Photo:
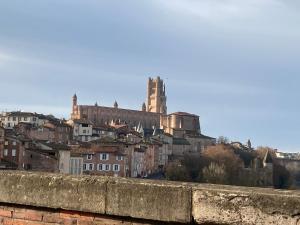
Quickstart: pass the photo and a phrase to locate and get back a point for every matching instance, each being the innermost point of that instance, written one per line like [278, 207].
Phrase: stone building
[105, 158]
[82, 130]
[11, 151]
[52, 130]
[186, 132]
[21, 153]
[45, 157]
[180, 124]
[10, 119]
[148, 116]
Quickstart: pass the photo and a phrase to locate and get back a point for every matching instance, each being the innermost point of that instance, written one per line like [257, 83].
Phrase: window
[5, 152]
[88, 166]
[14, 143]
[14, 118]
[84, 131]
[6, 143]
[103, 167]
[34, 119]
[104, 156]
[13, 153]
[100, 167]
[119, 158]
[116, 167]
[89, 157]
[107, 167]
[91, 166]
[25, 118]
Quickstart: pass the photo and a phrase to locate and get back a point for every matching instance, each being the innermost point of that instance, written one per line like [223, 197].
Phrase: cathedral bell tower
[74, 107]
[156, 96]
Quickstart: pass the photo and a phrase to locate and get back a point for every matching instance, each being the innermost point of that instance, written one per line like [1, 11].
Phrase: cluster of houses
[110, 141]
[36, 142]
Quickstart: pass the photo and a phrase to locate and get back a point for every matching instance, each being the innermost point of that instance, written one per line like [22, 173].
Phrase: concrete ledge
[247, 206]
[155, 200]
[151, 200]
[141, 199]
[87, 194]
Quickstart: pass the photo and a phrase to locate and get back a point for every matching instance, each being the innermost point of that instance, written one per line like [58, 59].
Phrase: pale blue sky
[235, 63]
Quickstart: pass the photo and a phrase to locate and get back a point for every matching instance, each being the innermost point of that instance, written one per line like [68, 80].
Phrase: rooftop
[183, 114]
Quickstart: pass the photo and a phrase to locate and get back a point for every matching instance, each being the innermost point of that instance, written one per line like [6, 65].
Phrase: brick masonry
[22, 215]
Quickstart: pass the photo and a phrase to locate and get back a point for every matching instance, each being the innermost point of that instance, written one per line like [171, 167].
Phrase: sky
[234, 63]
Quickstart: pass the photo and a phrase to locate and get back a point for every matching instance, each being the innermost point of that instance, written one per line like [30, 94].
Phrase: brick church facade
[149, 116]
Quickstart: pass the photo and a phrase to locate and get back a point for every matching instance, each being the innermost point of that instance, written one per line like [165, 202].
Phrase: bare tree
[223, 155]
[215, 173]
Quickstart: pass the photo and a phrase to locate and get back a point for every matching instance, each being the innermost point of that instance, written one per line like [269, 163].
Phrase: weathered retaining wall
[39, 198]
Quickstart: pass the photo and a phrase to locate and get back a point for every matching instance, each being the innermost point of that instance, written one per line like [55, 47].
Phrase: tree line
[225, 164]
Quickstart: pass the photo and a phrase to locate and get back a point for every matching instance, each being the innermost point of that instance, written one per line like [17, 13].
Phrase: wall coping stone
[151, 200]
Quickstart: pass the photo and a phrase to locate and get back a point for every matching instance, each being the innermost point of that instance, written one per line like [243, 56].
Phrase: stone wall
[259, 177]
[293, 166]
[40, 198]
[100, 115]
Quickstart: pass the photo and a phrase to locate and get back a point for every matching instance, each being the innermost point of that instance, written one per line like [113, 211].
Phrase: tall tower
[156, 96]
[74, 107]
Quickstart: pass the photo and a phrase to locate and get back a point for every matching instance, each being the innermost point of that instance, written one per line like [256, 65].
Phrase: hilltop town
[145, 143]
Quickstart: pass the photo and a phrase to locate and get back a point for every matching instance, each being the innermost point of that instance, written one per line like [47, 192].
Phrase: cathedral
[149, 116]
[183, 127]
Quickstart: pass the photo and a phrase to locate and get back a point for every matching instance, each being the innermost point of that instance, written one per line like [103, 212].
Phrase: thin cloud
[275, 18]
[216, 10]
[5, 57]
[222, 88]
